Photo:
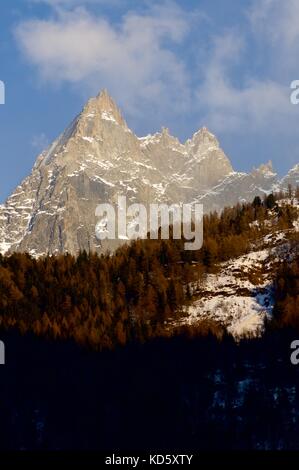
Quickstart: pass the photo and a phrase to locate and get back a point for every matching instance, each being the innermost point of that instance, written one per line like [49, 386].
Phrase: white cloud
[73, 3]
[40, 142]
[130, 58]
[276, 24]
[143, 60]
[276, 19]
[260, 101]
[250, 105]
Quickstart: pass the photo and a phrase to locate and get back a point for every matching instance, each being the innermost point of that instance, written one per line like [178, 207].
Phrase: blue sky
[224, 64]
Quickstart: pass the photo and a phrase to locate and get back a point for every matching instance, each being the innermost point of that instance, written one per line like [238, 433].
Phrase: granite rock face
[291, 178]
[97, 159]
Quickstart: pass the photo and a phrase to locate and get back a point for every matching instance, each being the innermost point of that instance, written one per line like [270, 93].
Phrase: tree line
[102, 301]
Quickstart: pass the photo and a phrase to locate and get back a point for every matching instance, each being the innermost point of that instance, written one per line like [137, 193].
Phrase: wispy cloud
[277, 20]
[160, 66]
[40, 142]
[133, 58]
[248, 104]
[73, 3]
[276, 24]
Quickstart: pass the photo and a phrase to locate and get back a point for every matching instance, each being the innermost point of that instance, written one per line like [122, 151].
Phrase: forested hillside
[155, 384]
[102, 301]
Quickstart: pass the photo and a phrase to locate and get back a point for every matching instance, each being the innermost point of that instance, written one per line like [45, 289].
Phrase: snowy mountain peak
[170, 140]
[294, 170]
[266, 169]
[163, 139]
[104, 107]
[97, 158]
[292, 178]
[165, 131]
[202, 140]
[204, 136]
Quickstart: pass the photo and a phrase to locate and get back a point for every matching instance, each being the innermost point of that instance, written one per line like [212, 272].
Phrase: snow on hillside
[239, 295]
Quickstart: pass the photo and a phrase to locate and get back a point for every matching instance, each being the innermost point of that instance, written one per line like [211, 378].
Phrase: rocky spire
[105, 107]
[266, 168]
[205, 137]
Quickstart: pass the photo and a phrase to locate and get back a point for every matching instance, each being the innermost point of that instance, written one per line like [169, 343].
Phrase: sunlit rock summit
[96, 159]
